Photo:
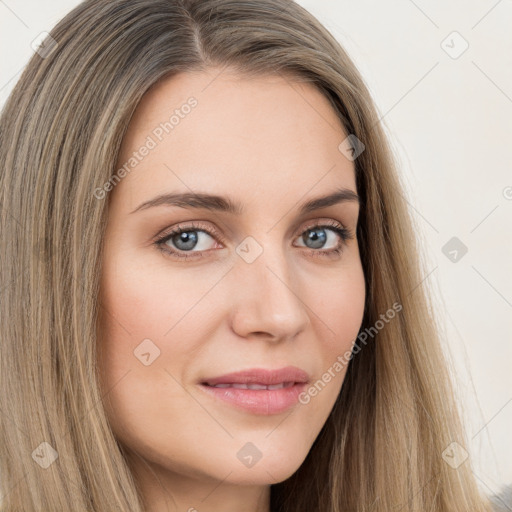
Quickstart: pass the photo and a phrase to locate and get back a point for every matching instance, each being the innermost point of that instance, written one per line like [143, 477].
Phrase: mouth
[258, 391]
[237, 385]
[260, 377]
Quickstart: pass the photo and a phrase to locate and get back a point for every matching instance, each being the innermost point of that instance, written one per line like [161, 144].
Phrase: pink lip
[263, 376]
[259, 401]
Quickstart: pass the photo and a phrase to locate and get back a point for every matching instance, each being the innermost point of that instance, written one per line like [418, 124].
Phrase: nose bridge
[267, 296]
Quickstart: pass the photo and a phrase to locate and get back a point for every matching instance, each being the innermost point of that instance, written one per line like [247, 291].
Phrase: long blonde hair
[382, 446]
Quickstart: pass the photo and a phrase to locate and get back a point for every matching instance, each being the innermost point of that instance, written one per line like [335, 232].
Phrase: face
[192, 290]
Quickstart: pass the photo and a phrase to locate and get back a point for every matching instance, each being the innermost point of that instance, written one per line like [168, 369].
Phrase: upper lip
[263, 376]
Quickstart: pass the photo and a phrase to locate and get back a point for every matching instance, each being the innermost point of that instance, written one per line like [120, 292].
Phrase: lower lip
[259, 401]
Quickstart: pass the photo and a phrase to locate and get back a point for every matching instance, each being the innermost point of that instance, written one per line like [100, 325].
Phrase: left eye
[318, 237]
[187, 238]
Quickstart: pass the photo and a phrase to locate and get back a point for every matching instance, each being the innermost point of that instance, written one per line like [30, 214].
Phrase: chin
[269, 470]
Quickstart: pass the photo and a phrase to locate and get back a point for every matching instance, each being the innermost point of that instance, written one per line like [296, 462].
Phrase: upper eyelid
[199, 226]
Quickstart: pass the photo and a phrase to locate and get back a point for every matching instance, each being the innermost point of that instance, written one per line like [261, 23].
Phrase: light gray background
[450, 123]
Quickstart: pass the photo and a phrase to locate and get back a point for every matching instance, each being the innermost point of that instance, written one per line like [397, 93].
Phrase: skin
[270, 144]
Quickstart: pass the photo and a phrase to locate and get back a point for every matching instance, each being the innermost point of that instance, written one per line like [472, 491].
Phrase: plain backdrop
[441, 76]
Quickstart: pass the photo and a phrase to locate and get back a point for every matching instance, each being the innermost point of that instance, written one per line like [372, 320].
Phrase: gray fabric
[502, 502]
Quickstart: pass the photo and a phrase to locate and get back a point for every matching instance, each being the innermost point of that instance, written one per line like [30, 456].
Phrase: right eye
[185, 238]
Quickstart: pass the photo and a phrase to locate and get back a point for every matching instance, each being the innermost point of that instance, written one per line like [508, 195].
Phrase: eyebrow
[198, 200]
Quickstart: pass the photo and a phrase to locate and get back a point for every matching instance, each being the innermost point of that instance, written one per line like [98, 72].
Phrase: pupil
[188, 238]
[318, 240]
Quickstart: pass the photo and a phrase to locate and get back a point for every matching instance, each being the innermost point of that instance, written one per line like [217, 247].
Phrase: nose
[266, 300]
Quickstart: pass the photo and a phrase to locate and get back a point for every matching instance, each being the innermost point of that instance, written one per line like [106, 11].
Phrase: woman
[211, 296]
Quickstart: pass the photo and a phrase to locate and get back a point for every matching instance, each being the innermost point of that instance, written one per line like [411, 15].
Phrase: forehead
[218, 130]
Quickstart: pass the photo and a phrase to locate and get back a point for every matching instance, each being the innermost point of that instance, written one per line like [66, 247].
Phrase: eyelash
[344, 234]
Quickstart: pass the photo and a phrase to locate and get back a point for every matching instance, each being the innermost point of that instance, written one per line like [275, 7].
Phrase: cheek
[140, 368]
[339, 308]
[148, 336]
[337, 315]
[146, 300]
